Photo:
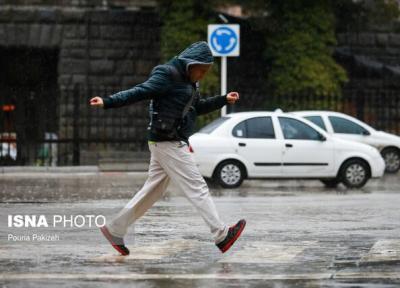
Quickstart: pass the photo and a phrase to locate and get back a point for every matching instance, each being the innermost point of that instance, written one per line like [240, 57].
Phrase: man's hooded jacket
[175, 101]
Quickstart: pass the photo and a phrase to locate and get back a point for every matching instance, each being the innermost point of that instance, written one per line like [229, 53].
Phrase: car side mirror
[321, 137]
[366, 133]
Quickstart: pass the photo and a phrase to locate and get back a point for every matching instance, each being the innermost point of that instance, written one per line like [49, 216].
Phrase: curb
[49, 169]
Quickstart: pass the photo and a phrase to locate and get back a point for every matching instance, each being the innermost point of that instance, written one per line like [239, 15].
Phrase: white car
[249, 145]
[349, 128]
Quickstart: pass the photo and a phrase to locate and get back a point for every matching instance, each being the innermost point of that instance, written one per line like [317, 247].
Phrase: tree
[299, 50]
[185, 22]
[299, 36]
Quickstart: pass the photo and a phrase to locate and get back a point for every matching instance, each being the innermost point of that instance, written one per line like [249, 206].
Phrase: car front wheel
[392, 159]
[229, 174]
[354, 173]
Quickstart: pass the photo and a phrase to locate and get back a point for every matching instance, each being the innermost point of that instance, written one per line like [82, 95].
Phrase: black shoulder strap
[190, 102]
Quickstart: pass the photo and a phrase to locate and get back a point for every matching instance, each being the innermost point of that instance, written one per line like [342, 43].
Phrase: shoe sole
[233, 240]
[108, 236]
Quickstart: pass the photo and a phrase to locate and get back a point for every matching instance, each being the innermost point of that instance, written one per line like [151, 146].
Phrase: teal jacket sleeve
[158, 82]
[204, 106]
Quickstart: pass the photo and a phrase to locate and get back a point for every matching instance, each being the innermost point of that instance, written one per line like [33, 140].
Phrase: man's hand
[232, 97]
[96, 101]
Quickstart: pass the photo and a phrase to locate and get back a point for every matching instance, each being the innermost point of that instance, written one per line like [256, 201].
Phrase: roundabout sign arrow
[224, 40]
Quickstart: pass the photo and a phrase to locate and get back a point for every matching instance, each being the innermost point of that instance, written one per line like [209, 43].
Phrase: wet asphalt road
[298, 235]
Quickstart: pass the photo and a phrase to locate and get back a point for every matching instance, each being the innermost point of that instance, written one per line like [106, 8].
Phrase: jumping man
[175, 102]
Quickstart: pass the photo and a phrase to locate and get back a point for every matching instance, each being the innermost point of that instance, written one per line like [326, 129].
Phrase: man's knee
[200, 191]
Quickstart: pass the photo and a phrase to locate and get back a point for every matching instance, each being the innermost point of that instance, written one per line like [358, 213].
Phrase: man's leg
[154, 187]
[180, 166]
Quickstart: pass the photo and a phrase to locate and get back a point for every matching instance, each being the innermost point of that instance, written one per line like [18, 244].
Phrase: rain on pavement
[299, 234]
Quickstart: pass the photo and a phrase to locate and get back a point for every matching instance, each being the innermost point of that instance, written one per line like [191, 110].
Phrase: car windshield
[364, 124]
[346, 126]
[213, 125]
[317, 120]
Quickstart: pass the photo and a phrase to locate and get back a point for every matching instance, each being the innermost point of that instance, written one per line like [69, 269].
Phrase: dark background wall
[247, 73]
[372, 61]
[381, 45]
[82, 3]
[79, 49]
[101, 51]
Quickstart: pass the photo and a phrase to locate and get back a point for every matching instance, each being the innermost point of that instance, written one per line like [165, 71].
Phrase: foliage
[299, 50]
[185, 22]
[299, 36]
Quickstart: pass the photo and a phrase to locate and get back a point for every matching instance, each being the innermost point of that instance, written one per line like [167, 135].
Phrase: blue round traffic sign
[223, 40]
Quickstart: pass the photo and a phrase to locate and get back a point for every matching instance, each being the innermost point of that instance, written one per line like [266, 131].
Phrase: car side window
[317, 120]
[295, 129]
[257, 127]
[240, 130]
[342, 125]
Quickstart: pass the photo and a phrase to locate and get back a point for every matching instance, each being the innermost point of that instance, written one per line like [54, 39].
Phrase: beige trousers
[170, 160]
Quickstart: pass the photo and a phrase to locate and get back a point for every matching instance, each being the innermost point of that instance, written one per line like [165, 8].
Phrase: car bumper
[378, 168]
[206, 168]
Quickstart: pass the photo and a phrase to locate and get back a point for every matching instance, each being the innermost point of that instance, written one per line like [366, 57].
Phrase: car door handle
[242, 144]
[289, 145]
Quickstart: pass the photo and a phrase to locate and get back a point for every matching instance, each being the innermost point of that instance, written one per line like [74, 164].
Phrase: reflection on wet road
[310, 237]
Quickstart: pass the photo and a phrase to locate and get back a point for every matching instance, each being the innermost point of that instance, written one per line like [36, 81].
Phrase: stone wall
[382, 46]
[374, 65]
[372, 94]
[82, 3]
[102, 51]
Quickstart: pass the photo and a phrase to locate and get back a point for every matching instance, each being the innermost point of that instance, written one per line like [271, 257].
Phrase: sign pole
[224, 41]
[223, 81]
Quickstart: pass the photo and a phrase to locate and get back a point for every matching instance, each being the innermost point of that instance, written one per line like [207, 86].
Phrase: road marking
[156, 251]
[368, 275]
[137, 276]
[383, 251]
[264, 252]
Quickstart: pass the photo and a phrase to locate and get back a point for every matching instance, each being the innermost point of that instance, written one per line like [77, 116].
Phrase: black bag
[167, 126]
[163, 126]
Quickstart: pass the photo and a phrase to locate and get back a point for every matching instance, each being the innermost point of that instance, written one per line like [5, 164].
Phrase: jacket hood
[196, 53]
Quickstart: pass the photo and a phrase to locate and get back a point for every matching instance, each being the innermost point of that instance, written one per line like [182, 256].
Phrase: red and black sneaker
[116, 242]
[233, 234]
